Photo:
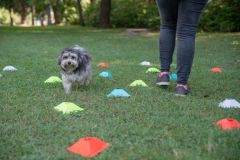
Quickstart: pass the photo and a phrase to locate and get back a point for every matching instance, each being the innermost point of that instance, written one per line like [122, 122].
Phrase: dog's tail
[77, 47]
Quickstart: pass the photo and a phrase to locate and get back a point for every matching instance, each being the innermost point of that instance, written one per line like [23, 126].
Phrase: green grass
[151, 124]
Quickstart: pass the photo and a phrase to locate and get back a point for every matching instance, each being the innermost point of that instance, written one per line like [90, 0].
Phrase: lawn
[151, 124]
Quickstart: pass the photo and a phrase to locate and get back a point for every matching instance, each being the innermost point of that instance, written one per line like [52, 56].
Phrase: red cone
[216, 69]
[103, 64]
[88, 147]
[228, 124]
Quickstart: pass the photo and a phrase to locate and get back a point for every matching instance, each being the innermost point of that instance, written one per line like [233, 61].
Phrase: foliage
[92, 14]
[70, 13]
[221, 15]
[7, 3]
[218, 15]
[126, 13]
[3, 18]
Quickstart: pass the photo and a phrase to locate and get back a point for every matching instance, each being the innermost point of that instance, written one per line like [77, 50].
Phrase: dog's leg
[67, 87]
[87, 82]
[89, 77]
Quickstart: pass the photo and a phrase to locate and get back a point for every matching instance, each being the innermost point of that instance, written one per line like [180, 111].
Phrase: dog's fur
[76, 66]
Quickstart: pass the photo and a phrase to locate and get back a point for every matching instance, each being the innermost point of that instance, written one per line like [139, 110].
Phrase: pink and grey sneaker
[182, 90]
[163, 79]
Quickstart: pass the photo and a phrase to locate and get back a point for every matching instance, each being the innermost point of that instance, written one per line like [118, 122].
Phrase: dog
[75, 66]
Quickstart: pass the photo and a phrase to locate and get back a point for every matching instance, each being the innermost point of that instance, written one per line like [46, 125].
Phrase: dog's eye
[73, 57]
[65, 57]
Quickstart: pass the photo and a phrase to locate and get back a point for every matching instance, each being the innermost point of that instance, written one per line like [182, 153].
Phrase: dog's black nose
[69, 63]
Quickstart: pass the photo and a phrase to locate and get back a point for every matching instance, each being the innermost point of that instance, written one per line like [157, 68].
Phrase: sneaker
[182, 90]
[163, 79]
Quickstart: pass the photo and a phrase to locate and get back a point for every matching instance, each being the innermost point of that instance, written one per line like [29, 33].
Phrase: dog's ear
[85, 59]
[59, 59]
[60, 56]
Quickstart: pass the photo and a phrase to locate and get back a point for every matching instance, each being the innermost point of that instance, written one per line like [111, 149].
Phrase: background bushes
[221, 15]
[218, 15]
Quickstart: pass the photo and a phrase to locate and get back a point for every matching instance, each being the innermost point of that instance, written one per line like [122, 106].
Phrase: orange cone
[103, 64]
[228, 124]
[88, 147]
[216, 69]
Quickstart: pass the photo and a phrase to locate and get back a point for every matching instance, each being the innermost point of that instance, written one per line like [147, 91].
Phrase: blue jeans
[179, 18]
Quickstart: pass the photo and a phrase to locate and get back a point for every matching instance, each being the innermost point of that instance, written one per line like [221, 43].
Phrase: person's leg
[168, 15]
[188, 17]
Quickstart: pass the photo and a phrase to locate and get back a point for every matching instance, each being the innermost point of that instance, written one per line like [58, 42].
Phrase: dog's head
[73, 59]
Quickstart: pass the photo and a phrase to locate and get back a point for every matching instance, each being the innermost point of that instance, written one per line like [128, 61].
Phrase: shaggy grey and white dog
[76, 67]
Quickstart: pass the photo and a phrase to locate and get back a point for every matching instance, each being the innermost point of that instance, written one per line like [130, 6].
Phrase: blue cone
[173, 76]
[118, 92]
[105, 74]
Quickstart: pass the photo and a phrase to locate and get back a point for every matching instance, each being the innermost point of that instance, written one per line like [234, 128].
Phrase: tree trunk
[151, 1]
[10, 16]
[105, 11]
[33, 14]
[80, 11]
[49, 14]
[23, 13]
[23, 17]
[57, 12]
[57, 16]
[42, 17]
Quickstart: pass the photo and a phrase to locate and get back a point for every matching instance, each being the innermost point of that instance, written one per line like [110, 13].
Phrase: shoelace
[163, 73]
[184, 86]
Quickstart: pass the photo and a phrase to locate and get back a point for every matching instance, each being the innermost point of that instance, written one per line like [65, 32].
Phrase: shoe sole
[180, 95]
[163, 83]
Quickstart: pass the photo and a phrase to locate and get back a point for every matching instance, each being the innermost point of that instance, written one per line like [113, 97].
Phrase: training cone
[105, 74]
[9, 68]
[228, 124]
[152, 70]
[216, 70]
[103, 64]
[138, 83]
[68, 107]
[173, 76]
[118, 92]
[53, 79]
[88, 146]
[145, 63]
[229, 103]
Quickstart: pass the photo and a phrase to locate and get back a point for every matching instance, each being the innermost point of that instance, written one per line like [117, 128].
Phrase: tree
[151, 1]
[49, 7]
[39, 10]
[57, 11]
[33, 14]
[105, 12]
[20, 6]
[32, 4]
[80, 11]
[221, 15]
[8, 4]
